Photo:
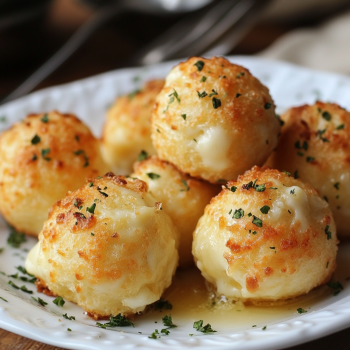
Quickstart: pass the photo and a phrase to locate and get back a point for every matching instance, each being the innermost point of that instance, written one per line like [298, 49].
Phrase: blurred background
[75, 39]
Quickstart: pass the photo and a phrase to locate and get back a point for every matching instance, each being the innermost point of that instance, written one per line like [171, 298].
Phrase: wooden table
[89, 61]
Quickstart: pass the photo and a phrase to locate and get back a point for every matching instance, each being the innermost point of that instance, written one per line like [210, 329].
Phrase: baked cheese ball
[182, 197]
[266, 237]
[41, 158]
[107, 247]
[315, 146]
[127, 130]
[214, 119]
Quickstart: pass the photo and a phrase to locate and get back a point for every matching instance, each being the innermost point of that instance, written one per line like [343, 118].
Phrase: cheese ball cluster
[266, 236]
[107, 247]
[182, 197]
[41, 158]
[127, 130]
[315, 146]
[214, 119]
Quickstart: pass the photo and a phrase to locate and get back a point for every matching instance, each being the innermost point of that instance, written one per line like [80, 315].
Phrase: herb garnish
[240, 75]
[153, 176]
[40, 301]
[336, 286]
[198, 325]
[201, 94]
[199, 65]
[216, 103]
[267, 105]
[45, 118]
[328, 233]
[238, 94]
[59, 301]
[91, 209]
[71, 318]
[232, 188]
[154, 335]
[35, 140]
[310, 159]
[239, 213]
[296, 175]
[213, 93]
[86, 158]
[204, 78]
[327, 116]
[44, 153]
[15, 238]
[336, 185]
[116, 321]
[320, 133]
[286, 172]
[142, 156]
[265, 209]
[183, 116]
[162, 304]
[186, 185]
[341, 126]
[304, 146]
[168, 322]
[257, 222]
[3, 299]
[133, 94]
[301, 310]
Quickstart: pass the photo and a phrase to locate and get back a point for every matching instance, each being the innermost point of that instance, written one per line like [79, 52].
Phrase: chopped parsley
[154, 335]
[91, 209]
[90, 184]
[45, 152]
[92, 234]
[238, 94]
[82, 152]
[301, 310]
[213, 93]
[328, 233]
[203, 79]
[59, 301]
[77, 204]
[260, 188]
[265, 209]
[292, 191]
[1, 250]
[286, 172]
[300, 154]
[199, 65]
[327, 116]
[104, 194]
[267, 105]
[35, 140]
[273, 188]
[168, 322]
[336, 185]
[303, 146]
[336, 286]
[341, 126]
[198, 325]
[162, 304]
[153, 176]
[40, 301]
[45, 118]
[35, 157]
[264, 328]
[201, 94]
[240, 75]
[232, 188]
[216, 103]
[257, 222]
[13, 285]
[116, 321]
[174, 95]
[296, 175]
[15, 238]
[310, 159]
[238, 214]
[320, 133]
[69, 330]
[186, 185]
[280, 120]
[183, 116]
[3, 299]
[71, 318]
[165, 331]
[77, 138]
[142, 156]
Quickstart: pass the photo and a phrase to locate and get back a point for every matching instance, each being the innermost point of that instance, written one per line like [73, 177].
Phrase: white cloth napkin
[326, 47]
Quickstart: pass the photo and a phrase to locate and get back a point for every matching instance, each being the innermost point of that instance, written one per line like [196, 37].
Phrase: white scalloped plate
[89, 98]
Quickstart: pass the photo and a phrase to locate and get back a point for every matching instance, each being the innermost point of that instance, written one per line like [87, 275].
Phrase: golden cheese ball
[182, 197]
[266, 237]
[315, 146]
[41, 158]
[213, 119]
[127, 130]
[107, 247]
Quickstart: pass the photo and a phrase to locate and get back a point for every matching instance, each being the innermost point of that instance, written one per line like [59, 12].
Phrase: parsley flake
[168, 322]
[198, 325]
[71, 318]
[154, 335]
[296, 175]
[3, 299]
[240, 75]
[232, 188]
[59, 301]
[199, 65]
[238, 214]
[162, 304]
[153, 176]
[165, 331]
[142, 156]
[35, 140]
[301, 310]
[45, 152]
[45, 118]
[286, 172]
[133, 94]
[328, 233]
[40, 301]
[327, 116]
[15, 238]
[265, 209]
[216, 103]
[201, 94]
[91, 209]
[186, 185]
[257, 222]
[69, 330]
[267, 105]
[336, 185]
[341, 126]
[183, 116]
[238, 94]
[310, 159]
[116, 321]
[203, 79]
[213, 93]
